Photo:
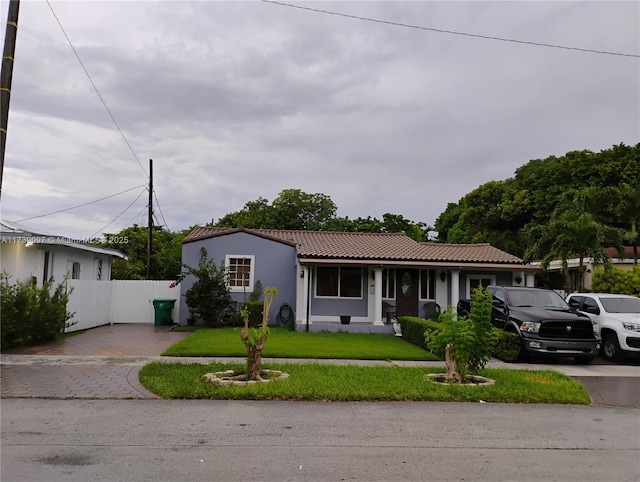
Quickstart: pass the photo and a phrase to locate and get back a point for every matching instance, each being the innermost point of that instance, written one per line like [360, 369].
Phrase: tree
[255, 338]
[629, 212]
[298, 210]
[573, 235]
[209, 295]
[166, 259]
[256, 214]
[466, 342]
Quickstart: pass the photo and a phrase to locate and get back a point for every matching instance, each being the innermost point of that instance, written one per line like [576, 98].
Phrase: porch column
[377, 297]
[305, 293]
[455, 287]
[530, 280]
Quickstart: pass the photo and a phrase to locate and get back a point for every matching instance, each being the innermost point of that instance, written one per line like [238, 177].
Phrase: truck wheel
[584, 360]
[610, 347]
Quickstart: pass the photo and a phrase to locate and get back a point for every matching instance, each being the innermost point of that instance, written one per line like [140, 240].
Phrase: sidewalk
[104, 364]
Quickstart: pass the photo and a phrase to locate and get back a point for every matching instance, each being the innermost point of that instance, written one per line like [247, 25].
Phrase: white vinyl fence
[97, 303]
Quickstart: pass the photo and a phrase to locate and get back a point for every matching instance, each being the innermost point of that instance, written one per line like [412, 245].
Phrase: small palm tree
[572, 235]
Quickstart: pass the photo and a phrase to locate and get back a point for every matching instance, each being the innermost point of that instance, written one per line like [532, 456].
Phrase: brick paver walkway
[97, 364]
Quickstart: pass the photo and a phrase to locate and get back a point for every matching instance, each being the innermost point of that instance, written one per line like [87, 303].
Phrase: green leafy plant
[466, 343]
[32, 315]
[209, 295]
[255, 338]
[617, 281]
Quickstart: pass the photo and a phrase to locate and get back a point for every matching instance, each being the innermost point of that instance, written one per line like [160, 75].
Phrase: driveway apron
[102, 363]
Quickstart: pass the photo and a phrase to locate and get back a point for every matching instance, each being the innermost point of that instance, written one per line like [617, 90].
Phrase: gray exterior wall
[342, 306]
[275, 265]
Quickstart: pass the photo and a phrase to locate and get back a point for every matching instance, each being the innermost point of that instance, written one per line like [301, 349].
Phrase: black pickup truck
[546, 324]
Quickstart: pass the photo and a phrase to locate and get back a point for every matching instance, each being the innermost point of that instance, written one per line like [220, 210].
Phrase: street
[213, 440]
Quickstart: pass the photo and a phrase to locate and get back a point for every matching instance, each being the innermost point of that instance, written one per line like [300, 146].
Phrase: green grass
[319, 382]
[290, 344]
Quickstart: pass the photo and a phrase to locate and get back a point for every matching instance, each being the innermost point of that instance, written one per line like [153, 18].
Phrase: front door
[406, 292]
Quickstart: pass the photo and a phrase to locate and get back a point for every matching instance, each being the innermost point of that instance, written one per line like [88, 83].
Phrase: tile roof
[368, 246]
[469, 253]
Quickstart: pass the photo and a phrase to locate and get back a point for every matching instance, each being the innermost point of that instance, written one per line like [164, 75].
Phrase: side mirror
[592, 310]
[498, 303]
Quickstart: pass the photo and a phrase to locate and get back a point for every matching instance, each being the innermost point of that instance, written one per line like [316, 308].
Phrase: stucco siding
[275, 264]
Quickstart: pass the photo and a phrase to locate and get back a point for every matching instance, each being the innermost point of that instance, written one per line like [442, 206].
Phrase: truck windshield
[542, 299]
[621, 305]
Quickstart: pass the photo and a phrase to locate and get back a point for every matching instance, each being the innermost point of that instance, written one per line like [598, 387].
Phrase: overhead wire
[160, 209]
[451, 32]
[116, 218]
[81, 205]
[96, 88]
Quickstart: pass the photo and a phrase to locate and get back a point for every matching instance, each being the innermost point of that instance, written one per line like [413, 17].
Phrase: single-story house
[556, 278]
[324, 276]
[33, 257]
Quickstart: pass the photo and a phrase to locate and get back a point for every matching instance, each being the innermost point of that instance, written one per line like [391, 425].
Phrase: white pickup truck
[618, 319]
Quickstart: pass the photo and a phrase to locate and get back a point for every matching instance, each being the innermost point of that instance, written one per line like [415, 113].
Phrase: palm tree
[629, 212]
[572, 235]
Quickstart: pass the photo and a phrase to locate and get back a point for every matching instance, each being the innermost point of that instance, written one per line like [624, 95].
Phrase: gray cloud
[240, 100]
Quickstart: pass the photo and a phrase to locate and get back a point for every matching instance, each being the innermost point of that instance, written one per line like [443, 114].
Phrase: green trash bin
[163, 308]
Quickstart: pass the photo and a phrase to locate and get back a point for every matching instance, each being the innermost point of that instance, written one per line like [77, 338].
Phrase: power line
[96, 89]
[452, 32]
[160, 209]
[80, 205]
[116, 218]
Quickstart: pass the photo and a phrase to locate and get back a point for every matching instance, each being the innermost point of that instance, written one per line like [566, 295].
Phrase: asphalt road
[178, 440]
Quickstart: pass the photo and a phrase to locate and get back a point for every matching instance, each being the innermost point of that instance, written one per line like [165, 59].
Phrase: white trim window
[338, 282]
[475, 280]
[427, 284]
[240, 272]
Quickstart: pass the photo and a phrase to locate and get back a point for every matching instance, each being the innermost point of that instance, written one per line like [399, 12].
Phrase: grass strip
[319, 382]
[290, 344]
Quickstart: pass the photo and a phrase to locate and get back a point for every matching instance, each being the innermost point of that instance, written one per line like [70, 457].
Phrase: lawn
[320, 382]
[283, 343]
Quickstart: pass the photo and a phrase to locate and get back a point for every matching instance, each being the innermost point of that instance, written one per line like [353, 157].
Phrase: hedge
[413, 330]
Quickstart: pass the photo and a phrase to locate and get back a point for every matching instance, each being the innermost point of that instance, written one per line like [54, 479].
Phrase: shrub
[32, 315]
[209, 295]
[414, 328]
[508, 346]
[255, 309]
[617, 281]
[470, 339]
[415, 331]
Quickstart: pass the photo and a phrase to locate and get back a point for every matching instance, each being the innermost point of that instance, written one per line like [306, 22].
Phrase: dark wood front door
[406, 292]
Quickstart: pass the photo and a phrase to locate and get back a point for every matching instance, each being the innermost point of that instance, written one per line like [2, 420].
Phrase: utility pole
[150, 222]
[6, 76]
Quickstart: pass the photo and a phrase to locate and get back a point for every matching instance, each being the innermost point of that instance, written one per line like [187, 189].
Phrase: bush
[617, 281]
[470, 340]
[32, 315]
[255, 309]
[508, 347]
[414, 328]
[209, 295]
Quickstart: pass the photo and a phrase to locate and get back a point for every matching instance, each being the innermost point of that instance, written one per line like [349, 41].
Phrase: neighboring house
[32, 257]
[556, 278]
[326, 275]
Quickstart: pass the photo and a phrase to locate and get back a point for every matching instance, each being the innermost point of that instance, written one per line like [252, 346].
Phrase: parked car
[546, 324]
[618, 318]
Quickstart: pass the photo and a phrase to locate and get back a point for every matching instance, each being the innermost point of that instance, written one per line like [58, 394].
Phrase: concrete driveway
[104, 362]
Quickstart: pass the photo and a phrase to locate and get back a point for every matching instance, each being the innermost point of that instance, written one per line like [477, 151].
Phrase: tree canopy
[604, 184]
[297, 210]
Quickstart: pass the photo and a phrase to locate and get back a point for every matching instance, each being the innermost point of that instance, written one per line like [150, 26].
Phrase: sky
[236, 101]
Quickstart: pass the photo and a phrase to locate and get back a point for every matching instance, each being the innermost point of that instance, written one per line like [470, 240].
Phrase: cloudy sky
[239, 100]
